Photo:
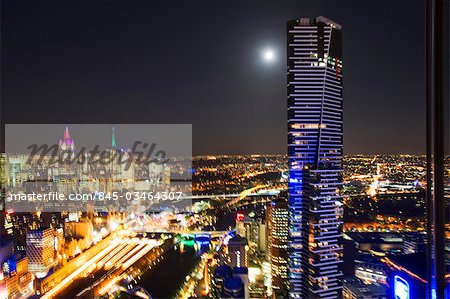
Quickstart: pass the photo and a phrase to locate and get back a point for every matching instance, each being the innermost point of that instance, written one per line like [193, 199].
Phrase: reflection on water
[164, 279]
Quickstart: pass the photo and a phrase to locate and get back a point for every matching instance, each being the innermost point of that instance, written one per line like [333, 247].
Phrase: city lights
[229, 167]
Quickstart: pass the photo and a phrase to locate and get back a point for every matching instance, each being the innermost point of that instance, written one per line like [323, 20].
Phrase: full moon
[268, 55]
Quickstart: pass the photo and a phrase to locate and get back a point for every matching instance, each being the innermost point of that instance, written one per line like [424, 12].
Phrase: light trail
[244, 194]
[131, 253]
[77, 272]
[400, 268]
[140, 254]
[102, 262]
[150, 244]
[118, 256]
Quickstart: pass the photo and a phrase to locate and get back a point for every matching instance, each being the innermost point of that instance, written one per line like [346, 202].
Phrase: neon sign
[239, 216]
[401, 288]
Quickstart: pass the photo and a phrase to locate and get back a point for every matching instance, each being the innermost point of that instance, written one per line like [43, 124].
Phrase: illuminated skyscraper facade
[238, 252]
[67, 144]
[315, 142]
[40, 251]
[277, 242]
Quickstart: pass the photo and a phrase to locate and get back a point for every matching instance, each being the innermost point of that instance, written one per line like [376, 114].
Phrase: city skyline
[83, 69]
[257, 149]
[384, 203]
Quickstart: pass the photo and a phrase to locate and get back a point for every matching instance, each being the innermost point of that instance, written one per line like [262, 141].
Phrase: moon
[268, 55]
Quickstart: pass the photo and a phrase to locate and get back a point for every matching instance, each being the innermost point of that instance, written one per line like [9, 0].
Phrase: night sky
[199, 62]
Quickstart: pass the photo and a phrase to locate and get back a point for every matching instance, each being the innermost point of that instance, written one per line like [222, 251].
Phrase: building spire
[66, 133]
[67, 143]
[113, 138]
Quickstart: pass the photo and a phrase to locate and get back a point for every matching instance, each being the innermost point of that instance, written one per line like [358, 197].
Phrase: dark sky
[198, 62]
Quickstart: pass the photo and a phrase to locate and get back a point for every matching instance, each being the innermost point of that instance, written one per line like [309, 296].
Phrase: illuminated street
[104, 270]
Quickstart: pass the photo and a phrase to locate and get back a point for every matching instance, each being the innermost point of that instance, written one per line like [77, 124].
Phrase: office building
[315, 145]
[354, 288]
[220, 274]
[230, 283]
[79, 229]
[238, 252]
[233, 288]
[242, 274]
[414, 243]
[350, 254]
[253, 230]
[40, 251]
[277, 216]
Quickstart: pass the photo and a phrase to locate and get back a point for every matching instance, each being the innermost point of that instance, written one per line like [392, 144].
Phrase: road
[98, 275]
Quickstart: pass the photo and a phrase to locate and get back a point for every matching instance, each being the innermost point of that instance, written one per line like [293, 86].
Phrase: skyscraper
[40, 251]
[238, 252]
[315, 115]
[277, 242]
[67, 144]
[253, 230]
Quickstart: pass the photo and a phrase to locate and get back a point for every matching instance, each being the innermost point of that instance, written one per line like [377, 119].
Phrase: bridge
[190, 233]
[238, 196]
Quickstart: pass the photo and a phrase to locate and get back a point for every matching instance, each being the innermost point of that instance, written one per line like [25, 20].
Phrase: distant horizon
[280, 154]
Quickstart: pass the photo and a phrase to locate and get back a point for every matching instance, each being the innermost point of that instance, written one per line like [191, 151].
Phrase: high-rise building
[230, 283]
[414, 243]
[315, 116]
[277, 216]
[349, 258]
[253, 230]
[40, 251]
[355, 288]
[67, 144]
[238, 252]
[221, 273]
